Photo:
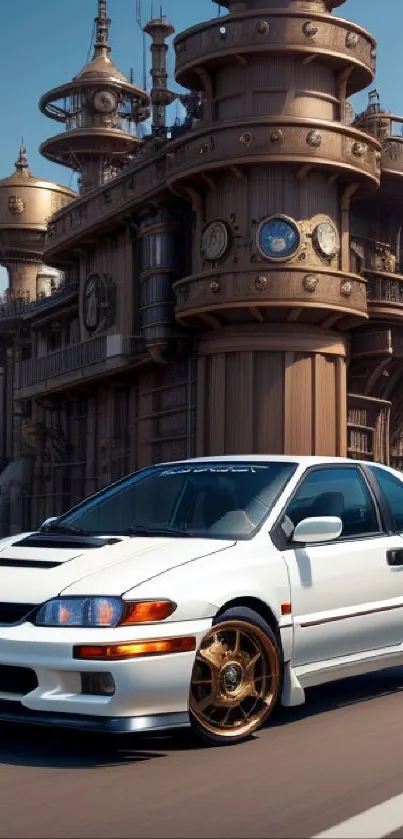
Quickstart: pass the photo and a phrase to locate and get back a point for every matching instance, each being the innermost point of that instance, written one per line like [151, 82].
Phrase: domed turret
[101, 109]
[26, 204]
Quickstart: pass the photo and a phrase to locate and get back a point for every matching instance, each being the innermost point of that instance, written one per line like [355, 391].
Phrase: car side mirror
[318, 529]
[47, 522]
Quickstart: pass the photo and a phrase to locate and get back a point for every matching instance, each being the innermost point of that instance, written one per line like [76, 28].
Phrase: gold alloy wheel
[235, 680]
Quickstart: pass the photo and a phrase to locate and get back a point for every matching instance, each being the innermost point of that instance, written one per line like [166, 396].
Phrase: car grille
[17, 679]
[14, 612]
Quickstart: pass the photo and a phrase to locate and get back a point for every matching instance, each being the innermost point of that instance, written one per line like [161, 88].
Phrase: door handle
[395, 557]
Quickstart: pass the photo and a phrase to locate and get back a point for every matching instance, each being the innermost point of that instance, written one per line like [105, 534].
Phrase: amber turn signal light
[134, 649]
[147, 611]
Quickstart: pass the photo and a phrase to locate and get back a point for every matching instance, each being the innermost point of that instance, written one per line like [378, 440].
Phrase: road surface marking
[375, 823]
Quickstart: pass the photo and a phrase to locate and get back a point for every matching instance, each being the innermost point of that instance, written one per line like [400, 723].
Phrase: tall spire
[21, 164]
[102, 23]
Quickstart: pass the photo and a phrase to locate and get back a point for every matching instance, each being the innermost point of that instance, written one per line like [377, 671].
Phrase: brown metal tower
[271, 170]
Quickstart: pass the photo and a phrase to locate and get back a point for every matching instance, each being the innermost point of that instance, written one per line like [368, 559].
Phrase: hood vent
[27, 563]
[64, 540]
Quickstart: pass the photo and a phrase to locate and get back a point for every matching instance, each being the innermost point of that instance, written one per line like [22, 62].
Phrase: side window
[338, 491]
[392, 489]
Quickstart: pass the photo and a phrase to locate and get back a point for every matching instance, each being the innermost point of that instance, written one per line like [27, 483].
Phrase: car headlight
[101, 612]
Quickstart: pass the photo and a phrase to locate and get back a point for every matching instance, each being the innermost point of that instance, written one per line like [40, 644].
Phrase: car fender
[202, 587]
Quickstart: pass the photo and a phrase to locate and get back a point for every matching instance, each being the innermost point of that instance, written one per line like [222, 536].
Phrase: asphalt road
[314, 768]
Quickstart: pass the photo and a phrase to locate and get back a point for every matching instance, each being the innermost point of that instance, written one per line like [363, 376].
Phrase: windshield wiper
[63, 528]
[139, 530]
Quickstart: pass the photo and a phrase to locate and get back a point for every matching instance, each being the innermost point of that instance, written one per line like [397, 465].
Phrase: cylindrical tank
[26, 205]
[160, 264]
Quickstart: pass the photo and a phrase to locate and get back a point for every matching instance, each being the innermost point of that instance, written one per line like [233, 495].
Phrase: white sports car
[203, 592]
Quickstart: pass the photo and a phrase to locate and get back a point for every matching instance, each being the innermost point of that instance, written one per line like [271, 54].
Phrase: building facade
[232, 284]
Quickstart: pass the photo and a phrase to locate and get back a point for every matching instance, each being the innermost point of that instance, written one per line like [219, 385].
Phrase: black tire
[252, 628]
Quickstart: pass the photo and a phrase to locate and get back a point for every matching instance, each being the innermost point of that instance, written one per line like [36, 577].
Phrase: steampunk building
[26, 205]
[231, 283]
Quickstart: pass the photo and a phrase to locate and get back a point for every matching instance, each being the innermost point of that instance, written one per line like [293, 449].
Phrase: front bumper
[17, 713]
[151, 692]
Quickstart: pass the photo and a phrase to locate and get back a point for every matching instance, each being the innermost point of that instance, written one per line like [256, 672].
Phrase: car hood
[34, 574]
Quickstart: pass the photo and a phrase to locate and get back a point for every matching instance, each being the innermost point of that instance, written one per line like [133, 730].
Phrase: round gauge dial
[326, 239]
[105, 101]
[214, 241]
[278, 238]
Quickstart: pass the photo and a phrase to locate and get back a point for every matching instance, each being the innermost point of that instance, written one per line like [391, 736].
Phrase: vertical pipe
[345, 226]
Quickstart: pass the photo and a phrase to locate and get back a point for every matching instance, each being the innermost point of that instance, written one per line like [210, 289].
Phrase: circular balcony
[333, 41]
[387, 127]
[89, 141]
[269, 292]
[286, 140]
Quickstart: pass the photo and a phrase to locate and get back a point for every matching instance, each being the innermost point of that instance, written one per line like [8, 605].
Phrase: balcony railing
[19, 307]
[392, 154]
[385, 289]
[37, 370]
[82, 356]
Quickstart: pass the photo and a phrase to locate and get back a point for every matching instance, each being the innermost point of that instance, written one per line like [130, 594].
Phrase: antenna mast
[139, 19]
[102, 24]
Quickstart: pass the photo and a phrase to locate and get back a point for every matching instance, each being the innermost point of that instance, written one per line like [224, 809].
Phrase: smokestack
[159, 30]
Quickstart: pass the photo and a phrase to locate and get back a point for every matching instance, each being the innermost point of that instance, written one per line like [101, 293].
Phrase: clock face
[326, 239]
[214, 241]
[105, 102]
[278, 238]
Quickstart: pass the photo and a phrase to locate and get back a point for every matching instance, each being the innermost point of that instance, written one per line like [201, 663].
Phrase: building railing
[19, 307]
[392, 154]
[385, 289]
[63, 361]
[81, 356]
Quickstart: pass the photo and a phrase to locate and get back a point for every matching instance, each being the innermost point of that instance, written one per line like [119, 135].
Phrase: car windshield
[219, 500]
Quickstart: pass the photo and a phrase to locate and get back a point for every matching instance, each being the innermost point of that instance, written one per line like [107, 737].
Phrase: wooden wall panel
[298, 404]
[133, 428]
[239, 403]
[144, 421]
[215, 404]
[325, 408]
[91, 460]
[201, 415]
[241, 89]
[114, 256]
[269, 403]
[165, 414]
[278, 401]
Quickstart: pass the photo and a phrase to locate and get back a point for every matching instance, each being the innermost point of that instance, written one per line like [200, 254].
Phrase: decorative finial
[21, 164]
[102, 23]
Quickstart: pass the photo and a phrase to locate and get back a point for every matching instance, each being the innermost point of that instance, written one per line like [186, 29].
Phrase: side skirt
[296, 679]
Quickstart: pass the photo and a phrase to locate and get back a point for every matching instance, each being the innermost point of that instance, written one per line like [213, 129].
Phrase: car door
[345, 597]
[390, 484]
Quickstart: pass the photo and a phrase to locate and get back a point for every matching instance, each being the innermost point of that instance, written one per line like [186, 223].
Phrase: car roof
[303, 460]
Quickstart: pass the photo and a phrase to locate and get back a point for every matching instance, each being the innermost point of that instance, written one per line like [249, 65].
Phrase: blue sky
[44, 43]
